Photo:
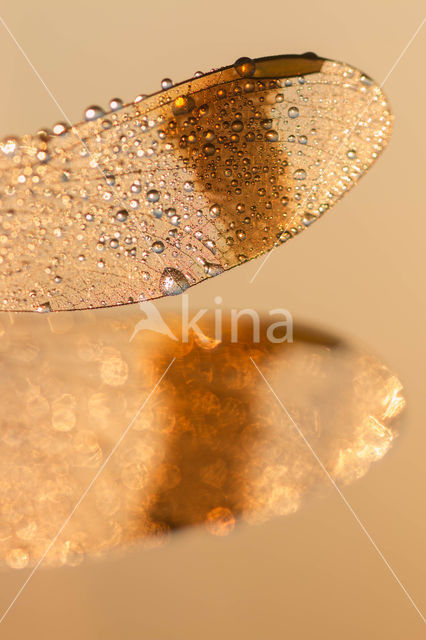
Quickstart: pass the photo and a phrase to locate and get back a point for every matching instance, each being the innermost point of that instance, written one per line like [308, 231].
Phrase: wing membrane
[158, 195]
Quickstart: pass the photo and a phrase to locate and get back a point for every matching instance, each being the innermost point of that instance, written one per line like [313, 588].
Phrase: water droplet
[175, 220]
[284, 236]
[44, 134]
[212, 269]
[237, 126]
[157, 246]
[351, 154]
[121, 216]
[211, 246]
[299, 174]
[60, 128]
[209, 135]
[245, 67]
[172, 282]
[166, 83]
[183, 104]
[209, 149]
[271, 136]
[152, 195]
[9, 146]
[92, 113]
[308, 218]
[115, 104]
[44, 307]
[293, 112]
[43, 156]
[215, 211]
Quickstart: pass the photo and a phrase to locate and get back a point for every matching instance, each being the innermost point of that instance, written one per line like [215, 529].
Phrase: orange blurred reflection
[211, 446]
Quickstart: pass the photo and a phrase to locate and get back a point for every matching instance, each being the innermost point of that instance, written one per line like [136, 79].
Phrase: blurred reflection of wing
[159, 194]
[210, 446]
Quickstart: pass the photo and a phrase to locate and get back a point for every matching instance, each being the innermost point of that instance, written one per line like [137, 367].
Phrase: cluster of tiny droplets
[208, 457]
[149, 198]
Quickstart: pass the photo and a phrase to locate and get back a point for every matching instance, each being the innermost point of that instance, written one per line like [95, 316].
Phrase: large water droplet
[283, 236]
[215, 211]
[157, 246]
[44, 307]
[121, 216]
[213, 269]
[293, 112]
[9, 146]
[271, 136]
[60, 128]
[115, 104]
[183, 104]
[152, 195]
[172, 282]
[166, 83]
[237, 126]
[308, 218]
[92, 113]
[299, 174]
[245, 67]
[366, 80]
[209, 149]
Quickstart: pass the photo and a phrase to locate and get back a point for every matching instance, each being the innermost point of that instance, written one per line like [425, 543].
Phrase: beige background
[359, 272]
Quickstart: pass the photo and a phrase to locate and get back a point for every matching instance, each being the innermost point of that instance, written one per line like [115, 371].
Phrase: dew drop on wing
[173, 282]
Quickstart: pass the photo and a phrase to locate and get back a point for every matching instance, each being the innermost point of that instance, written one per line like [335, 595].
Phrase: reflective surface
[211, 447]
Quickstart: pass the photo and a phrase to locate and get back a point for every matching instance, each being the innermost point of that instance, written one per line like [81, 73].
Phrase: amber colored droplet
[245, 67]
[182, 105]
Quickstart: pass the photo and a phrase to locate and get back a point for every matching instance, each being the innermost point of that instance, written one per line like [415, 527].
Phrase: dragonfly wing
[164, 192]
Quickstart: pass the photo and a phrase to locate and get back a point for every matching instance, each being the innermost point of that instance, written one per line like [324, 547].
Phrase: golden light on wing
[210, 448]
[157, 195]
